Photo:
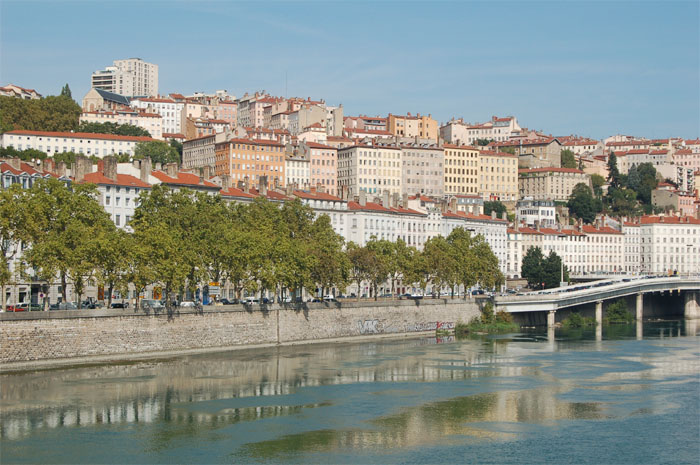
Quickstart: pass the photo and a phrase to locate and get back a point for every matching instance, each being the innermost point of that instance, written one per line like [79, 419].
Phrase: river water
[632, 397]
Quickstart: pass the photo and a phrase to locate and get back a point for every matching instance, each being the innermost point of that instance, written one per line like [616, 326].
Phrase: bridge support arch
[691, 309]
[551, 318]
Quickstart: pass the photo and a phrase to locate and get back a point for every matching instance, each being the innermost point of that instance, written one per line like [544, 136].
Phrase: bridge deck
[555, 299]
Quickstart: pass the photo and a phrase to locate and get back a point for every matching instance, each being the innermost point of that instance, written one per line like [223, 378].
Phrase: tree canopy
[158, 151]
[582, 204]
[113, 128]
[52, 113]
[542, 272]
[568, 159]
[495, 205]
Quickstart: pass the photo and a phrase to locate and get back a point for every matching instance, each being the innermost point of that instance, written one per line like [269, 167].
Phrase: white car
[187, 303]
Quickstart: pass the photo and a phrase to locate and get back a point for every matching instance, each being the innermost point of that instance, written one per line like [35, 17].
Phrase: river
[632, 397]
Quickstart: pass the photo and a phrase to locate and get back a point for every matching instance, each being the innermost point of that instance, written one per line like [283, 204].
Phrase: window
[107, 200]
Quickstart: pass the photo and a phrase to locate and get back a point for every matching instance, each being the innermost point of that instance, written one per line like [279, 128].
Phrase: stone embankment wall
[27, 339]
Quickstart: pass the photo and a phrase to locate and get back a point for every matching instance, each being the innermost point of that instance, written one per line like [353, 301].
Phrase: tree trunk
[109, 297]
[63, 286]
[2, 298]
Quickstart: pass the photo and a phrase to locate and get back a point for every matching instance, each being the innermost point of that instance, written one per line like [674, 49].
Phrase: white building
[456, 131]
[99, 145]
[130, 77]
[670, 244]
[170, 110]
[534, 212]
[297, 170]
[151, 122]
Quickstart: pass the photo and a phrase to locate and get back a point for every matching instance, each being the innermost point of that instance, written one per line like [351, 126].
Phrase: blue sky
[588, 68]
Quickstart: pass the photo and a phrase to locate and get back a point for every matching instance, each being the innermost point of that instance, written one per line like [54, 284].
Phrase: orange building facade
[239, 158]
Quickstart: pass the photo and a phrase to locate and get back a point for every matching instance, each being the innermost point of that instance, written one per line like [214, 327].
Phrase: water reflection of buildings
[176, 391]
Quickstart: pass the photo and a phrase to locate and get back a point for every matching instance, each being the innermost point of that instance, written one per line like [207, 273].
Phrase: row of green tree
[181, 239]
[627, 195]
[543, 272]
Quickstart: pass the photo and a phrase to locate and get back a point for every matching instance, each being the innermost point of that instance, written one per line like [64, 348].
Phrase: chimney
[320, 188]
[493, 214]
[159, 167]
[171, 169]
[109, 167]
[246, 185]
[363, 198]
[50, 165]
[289, 189]
[404, 200]
[80, 168]
[453, 204]
[15, 163]
[145, 169]
[262, 185]
[206, 172]
[504, 216]
[537, 225]
[61, 169]
[395, 200]
[385, 199]
[136, 164]
[312, 189]
[344, 192]
[225, 181]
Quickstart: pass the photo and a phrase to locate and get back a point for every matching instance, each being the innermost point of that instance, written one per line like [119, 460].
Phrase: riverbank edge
[67, 363]
[44, 340]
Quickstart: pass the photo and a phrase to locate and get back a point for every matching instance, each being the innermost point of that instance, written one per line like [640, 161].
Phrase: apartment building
[669, 244]
[200, 152]
[458, 132]
[169, 109]
[423, 127]
[130, 77]
[372, 168]
[536, 212]
[422, 169]
[498, 176]
[251, 159]
[541, 152]
[550, 183]
[323, 166]
[99, 145]
[461, 169]
[12, 90]
[151, 122]
[297, 169]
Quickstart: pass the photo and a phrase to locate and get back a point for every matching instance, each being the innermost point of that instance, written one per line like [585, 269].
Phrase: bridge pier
[599, 312]
[551, 318]
[691, 309]
[640, 307]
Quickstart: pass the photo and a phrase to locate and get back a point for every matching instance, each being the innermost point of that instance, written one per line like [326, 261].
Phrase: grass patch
[488, 322]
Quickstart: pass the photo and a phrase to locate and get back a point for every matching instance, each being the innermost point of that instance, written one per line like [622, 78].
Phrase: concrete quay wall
[38, 339]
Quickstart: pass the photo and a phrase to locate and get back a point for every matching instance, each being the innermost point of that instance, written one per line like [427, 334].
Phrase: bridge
[596, 292]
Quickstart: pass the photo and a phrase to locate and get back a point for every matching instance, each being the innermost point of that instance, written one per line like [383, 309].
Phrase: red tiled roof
[514, 143]
[463, 147]
[668, 220]
[684, 152]
[315, 145]
[24, 168]
[371, 206]
[155, 100]
[588, 229]
[316, 196]
[82, 135]
[183, 179]
[173, 135]
[492, 153]
[122, 180]
[470, 216]
[552, 169]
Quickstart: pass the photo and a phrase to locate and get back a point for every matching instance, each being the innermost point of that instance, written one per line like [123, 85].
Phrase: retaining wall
[84, 335]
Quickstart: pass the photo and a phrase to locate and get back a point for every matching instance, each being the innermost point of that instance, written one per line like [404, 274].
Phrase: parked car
[187, 304]
[329, 298]
[26, 306]
[15, 308]
[251, 300]
[151, 304]
[64, 306]
[416, 296]
[120, 305]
